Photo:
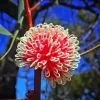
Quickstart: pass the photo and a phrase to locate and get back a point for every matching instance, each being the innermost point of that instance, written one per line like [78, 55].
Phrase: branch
[92, 26]
[37, 73]
[91, 43]
[85, 2]
[45, 15]
[50, 4]
[66, 5]
[28, 13]
[77, 7]
[35, 6]
[12, 10]
[29, 10]
[90, 50]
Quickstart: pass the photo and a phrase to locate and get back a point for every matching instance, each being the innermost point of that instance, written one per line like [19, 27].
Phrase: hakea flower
[50, 48]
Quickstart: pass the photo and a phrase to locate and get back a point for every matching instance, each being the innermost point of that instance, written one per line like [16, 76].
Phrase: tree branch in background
[91, 5]
[91, 28]
[12, 10]
[77, 7]
[67, 5]
[50, 4]
[45, 15]
[91, 43]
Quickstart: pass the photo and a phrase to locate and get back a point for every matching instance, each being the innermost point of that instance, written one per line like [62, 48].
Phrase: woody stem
[28, 13]
[37, 74]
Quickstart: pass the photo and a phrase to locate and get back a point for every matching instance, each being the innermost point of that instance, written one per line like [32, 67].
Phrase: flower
[50, 48]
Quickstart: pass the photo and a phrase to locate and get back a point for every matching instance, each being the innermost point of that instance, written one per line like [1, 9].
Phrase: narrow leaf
[4, 31]
[20, 8]
[14, 37]
[21, 20]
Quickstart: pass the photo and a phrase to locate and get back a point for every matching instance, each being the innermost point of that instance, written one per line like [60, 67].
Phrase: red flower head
[51, 49]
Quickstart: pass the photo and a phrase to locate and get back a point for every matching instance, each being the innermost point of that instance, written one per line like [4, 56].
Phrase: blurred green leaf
[20, 8]
[21, 20]
[14, 37]
[4, 31]
[86, 16]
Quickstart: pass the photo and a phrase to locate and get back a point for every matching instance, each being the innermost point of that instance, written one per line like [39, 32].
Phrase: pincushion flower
[50, 48]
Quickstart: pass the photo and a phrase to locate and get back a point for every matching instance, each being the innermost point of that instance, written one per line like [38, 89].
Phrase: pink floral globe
[50, 48]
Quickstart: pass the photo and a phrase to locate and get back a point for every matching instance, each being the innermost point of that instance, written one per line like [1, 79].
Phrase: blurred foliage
[84, 85]
[4, 31]
[86, 16]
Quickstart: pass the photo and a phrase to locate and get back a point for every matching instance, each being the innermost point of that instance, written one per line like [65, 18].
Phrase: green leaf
[14, 37]
[20, 8]
[4, 31]
[21, 20]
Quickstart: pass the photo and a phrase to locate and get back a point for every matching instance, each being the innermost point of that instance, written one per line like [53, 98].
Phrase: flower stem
[91, 50]
[37, 84]
[37, 73]
[17, 38]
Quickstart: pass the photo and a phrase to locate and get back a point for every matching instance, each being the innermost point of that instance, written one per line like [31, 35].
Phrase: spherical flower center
[51, 49]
